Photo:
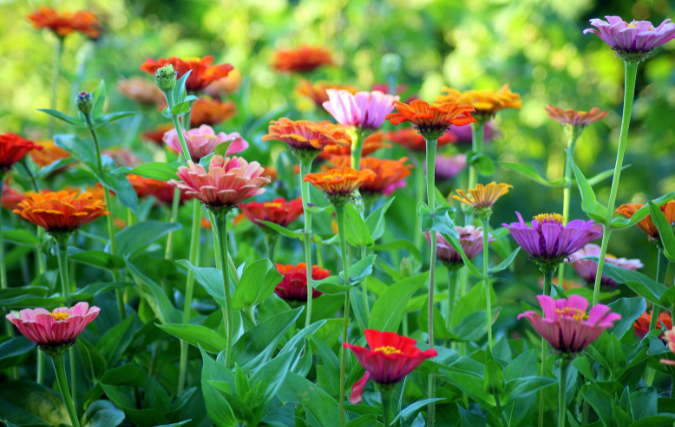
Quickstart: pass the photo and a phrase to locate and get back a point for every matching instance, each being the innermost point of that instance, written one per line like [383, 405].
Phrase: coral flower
[432, 120]
[202, 141]
[305, 137]
[631, 40]
[339, 184]
[47, 152]
[448, 167]
[278, 211]
[229, 181]
[317, 91]
[62, 211]
[670, 340]
[203, 73]
[164, 194]
[12, 149]
[144, 187]
[65, 23]
[207, 111]
[486, 102]
[587, 269]
[301, 60]
[464, 134]
[363, 110]
[387, 173]
[412, 140]
[59, 328]
[574, 117]
[141, 90]
[641, 325]
[371, 144]
[567, 326]
[471, 240]
[10, 198]
[548, 240]
[388, 360]
[646, 224]
[157, 135]
[483, 196]
[225, 86]
[293, 286]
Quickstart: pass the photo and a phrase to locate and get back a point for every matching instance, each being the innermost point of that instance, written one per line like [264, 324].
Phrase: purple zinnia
[548, 241]
[587, 269]
[637, 38]
[447, 166]
[471, 240]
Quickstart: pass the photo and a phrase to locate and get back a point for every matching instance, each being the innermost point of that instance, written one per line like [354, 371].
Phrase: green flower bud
[165, 78]
[494, 378]
[85, 102]
[391, 64]
[406, 267]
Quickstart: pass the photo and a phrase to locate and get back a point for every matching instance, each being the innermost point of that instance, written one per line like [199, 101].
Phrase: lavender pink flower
[471, 240]
[447, 167]
[587, 268]
[636, 37]
[365, 110]
[203, 141]
[567, 326]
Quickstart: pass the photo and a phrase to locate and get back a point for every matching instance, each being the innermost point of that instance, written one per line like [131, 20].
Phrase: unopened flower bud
[494, 378]
[165, 78]
[391, 64]
[85, 102]
[406, 267]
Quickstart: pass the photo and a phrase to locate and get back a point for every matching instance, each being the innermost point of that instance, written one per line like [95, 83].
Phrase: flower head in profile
[143, 91]
[587, 268]
[567, 325]
[144, 187]
[47, 152]
[371, 144]
[203, 73]
[12, 149]
[221, 88]
[486, 102]
[293, 286]
[576, 118]
[156, 135]
[483, 197]
[10, 198]
[448, 166]
[207, 111]
[389, 358]
[413, 141]
[471, 240]
[317, 91]
[632, 41]
[388, 174]
[229, 181]
[305, 138]
[203, 140]
[641, 325]
[54, 332]
[301, 60]
[278, 211]
[66, 23]
[432, 120]
[548, 241]
[339, 184]
[363, 110]
[646, 224]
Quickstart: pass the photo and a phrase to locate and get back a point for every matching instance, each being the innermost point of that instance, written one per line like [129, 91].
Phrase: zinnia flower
[47, 152]
[203, 73]
[471, 240]
[390, 358]
[339, 184]
[62, 211]
[317, 91]
[229, 181]
[12, 149]
[574, 117]
[164, 194]
[448, 167]
[141, 90]
[364, 110]
[432, 120]
[144, 187]
[587, 268]
[306, 138]
[202, 141]
[636, 39]
[157, 135]
[412, 140]
[372, 143]
[567, 326]
[97, 191]
[207, 111]
[65, 23]
[388, 173]
[10, 198]
[486, 102]
[670, 340]
[278, 211]
[483, 196]
[641, 325]
[293, 286]
[301, 60]
[225, 86]
[548, 240]
[646, 224]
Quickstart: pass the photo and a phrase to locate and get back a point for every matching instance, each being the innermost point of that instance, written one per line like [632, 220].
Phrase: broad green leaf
[102, 413]
[78, 148]
[660, 420]
[98, 259]
[483, 164]
[638, 282]
[217, 407]
[197, 335]
[318, 403]
[665, 231]
[532, 173]
[119, 184]
[600, 401]
[99, 100]
[589, 204]
[135, 237]
[179, 91]
[630, 310]
[155, 170]
[93, 362]
[31, 301]
[93, 289]
[622, 222]
[390, 307]
[116, 340]
[256, 284]
[376, 220]
[45, 171]
[409, 410]
[356, 229]
[506, 263]
[63, 117]
[13, 350]
[154, 296]
[113, 117]
[21, 237]
[357, 273]
[211, 279]
[28, 403]
[282, 230]
[271, 376]
[519, 387]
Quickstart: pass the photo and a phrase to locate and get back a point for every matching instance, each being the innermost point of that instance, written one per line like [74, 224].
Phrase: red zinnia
[203, 73]
[207, 111]
[392, 358]
[293, 286]
[641, 325]
[432, 120]
[65, 23]
[301, 60]
[278, 211]
[12, 149]
[11, 198]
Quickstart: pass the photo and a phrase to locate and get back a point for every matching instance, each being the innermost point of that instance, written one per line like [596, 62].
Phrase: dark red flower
[278, 211]
[12, 149]
[293, 286]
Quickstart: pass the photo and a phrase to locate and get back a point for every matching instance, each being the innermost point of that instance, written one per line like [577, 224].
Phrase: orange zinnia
[486, 102]
[203, 73]
[61, 212]
[65, 23]
[432, 120]
[647, 225]
[47, 152]
[301, 60]
[307, 137]
[483, 196]
[339, 184]
[388, 173]
[12, 149]
[144, 187]
[641, 325]
[574, 117]
[96, 191]
[279, 211]
[371, 144]
[412, 140]
[207, 111]
[317, 91]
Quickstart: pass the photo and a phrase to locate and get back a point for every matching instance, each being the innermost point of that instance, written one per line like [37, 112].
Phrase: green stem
[340, 213]
[571, 144]
[3, 266]
[55, 78]
[431, 198]
[62, 380]
[62, 256]
[181, 138]
[216, 244]
[629, 93]
[419, 193]
[453, 275]
[477, 148]
[364, 286]
[486, 275]
[357, 147]
[220, 227]
[305, 168]
[175, 204]
[270, 243]
[548, 280]
[319, 255]
[385, 395]
[562, 391]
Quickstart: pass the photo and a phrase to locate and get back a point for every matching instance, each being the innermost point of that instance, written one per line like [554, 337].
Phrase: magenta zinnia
[636, 39]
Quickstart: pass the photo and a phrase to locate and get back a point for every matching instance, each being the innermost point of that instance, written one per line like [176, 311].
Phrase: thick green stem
[548, 281]
[62, 256]
[175, 204]
[340, 213]
[629, 93]
[55, 77]
[62, 380]
[364, 286]
[358, 136]
[562, 391]
[220, 227]
[419, 194]
[571, 143]
[453, 275]
[385, 395]
[181, 138]
[271, 242]
[431, 198]
[486, 275]
[477, 148]
[305, 168]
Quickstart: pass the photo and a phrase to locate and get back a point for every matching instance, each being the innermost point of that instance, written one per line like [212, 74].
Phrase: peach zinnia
[646, 224]
[47, 152]
[203, 73]
[144, 187]
[432, 120]
[12, 149]
[388, 174]
[305, 138]
[339, 184]
[65, 23]
[574, 117]
[301, 60]
[486, 102]
[207, 111]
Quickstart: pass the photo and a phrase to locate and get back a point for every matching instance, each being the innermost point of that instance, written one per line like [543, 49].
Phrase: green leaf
[483, 164]
[519, 387]
[179, 91]
[116, 340]
[78, 148]
[21, 237]
[660, 420]
[154, 296]
[217, 407]
[412, 408]
[589, 204]
[323, 408]
[135, 237]
[270, 377]
[390, 307]
[99, 100]
[398, 245]
[180, 108]
[282, 230]
[256, 285]
[102, 413]
[12, 350]
[118, 183]
[630, 310]
[47, 170]
[197, 335]
[440, 330]
[92, 361]
[360, 270]
[532, 173]
[506, 263]
[376, 220]
[31, 301]
[356, 229]
[642, 213]
[665, 231]
[603, 175]
[29, 404]
[211, 279]
[155, 170]
[600, 401]
[63, 117]
[98, 259]
[221, 149]
[113, 117]
[638, 282]
[93, 289]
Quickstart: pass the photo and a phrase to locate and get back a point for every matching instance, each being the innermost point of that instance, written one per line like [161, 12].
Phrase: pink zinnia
[61, 326]
[365, 110]
[229, 181]
[447, 167]
[588, 269]
[567, 326]
[636, 37]
[471, 240]
[203, 141]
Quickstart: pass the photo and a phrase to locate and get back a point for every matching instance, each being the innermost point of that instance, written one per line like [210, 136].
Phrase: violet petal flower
[587, 269]
[636, 37]
[365, 110]
[471, 240]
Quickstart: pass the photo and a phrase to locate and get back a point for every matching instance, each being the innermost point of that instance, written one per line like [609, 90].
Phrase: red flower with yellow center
[432, 120]
[301, 60]
[340, 183]
[203, 73]
[144, 187]
[641, 325]
[307, 136]
[293, 286]
[47, 152]
[646, 224]
[157, 135]
[486, 102]
[388, 173]
[278, 211]
[61, 212]
[371, 144]
[12, 149]
[65, 23]
[412, 140]
[207, 111]
[317, 91]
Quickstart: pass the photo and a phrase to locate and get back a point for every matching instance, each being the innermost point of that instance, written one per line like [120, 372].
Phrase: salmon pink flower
[574, 117]
[225, 86]
[301, 60]
[670, 340]
[65, 23]
[293, 286]
[141, 90]
[388, 360]
[363, 110]
[203, 141]
[432, 120]
[471, 240]
[412, 140]
[279, 211]
[207, 111]
[567, 326]
[339, 184]
[203, 73]
[634, 40]
[448, 167]
[646, 224]
[388, 173]
[12, 149]
[641, 325]
[587, 268]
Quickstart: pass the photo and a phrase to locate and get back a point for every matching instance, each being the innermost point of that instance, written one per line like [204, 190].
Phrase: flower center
[631, 25]
[574, 313]
[272, 205]
[549, 218]
[387, 349]
[60, 316]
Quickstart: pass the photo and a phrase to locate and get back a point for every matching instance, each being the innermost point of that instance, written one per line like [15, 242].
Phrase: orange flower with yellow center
[339, 184]
[207, 111]
[432, 120]
[203, 73]
[301, 60]
[574, 117]
[61, 212]
[317, 91]
[486, 102]
[483, 196]
[307, 137]
[646, 224]
[388, 173]
[48, 154]
[371, 144]
[65, 23]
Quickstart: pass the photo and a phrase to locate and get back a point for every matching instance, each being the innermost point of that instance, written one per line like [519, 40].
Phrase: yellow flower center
[272, 205]
[546, 218]
[574, 313]
[631, 25]
[60, 316]
[388, 350]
